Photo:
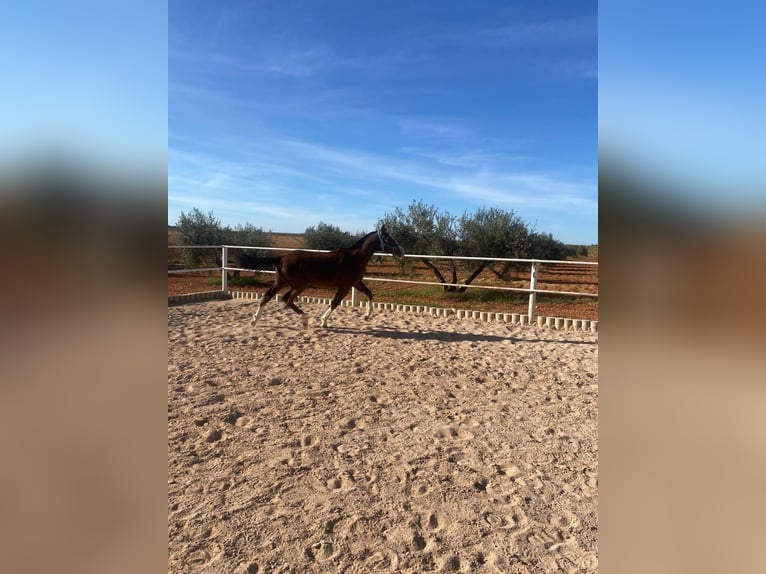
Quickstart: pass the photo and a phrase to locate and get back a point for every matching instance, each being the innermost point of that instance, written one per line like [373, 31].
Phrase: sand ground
[402, 443]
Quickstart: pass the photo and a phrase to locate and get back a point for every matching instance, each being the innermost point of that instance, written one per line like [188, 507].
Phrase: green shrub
[325, 236]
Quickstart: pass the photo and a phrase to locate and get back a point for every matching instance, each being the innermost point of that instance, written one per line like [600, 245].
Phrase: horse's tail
[253, 261]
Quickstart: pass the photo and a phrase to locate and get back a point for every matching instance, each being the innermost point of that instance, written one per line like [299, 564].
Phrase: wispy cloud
[472, 158]
[217, 181]
[566, 68]
[555, 45]
[552, 31]
[336, 176]
[432, 129]
[288, 63]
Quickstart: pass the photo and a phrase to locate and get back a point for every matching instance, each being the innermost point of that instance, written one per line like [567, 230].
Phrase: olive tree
[424, 229]
[248, 234]
[492, 232]
[544, 246]
[486, 232]
[198, 228]
[326, 236]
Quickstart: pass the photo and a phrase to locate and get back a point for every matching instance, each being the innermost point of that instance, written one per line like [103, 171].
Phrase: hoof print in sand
[452, 432]
[321, 551]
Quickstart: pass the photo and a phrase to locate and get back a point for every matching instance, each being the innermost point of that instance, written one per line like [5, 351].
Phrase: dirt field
[402, 443]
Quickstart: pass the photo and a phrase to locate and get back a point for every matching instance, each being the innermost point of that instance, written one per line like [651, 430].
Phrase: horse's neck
[368, 247]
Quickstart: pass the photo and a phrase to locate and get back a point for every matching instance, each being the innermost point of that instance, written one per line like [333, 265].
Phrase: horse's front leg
[342, 292]
[266, 298]
[364, 289]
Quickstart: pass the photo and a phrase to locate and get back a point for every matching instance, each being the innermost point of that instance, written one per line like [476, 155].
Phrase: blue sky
[682, 97]
[284, 114]
[87, 80]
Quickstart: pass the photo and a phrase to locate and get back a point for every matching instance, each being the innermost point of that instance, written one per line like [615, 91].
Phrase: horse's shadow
[447, 336]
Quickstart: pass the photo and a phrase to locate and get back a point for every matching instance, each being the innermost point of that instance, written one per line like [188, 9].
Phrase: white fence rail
[532, 289]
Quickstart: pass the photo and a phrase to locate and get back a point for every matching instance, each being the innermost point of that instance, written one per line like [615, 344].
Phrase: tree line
[486, 232]
[198, 228]
[420, 229]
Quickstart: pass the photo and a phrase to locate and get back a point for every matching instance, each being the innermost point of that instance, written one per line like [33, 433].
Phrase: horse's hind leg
[364, 289]
[335, 302]
[290, 302]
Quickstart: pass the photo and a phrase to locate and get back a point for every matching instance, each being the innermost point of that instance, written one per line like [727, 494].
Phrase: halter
[383, 244]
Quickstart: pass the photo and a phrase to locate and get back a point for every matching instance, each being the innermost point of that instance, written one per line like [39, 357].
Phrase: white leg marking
[255, 315]
[369, 310]
[323, 322]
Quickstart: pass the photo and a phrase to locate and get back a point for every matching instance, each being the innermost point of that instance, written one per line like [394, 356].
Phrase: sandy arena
[402, 443]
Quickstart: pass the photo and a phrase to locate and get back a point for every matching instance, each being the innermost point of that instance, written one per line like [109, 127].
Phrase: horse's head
[388, 243]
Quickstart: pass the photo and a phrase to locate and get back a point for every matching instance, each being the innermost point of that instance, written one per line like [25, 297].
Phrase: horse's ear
[383, 228]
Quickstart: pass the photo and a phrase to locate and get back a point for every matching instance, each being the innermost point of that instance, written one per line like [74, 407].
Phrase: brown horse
[340, 269]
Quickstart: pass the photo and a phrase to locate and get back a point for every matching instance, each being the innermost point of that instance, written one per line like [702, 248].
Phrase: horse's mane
[358, 244]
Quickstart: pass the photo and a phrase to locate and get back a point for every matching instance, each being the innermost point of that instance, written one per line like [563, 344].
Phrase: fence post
[224, 264]
[532, 294]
